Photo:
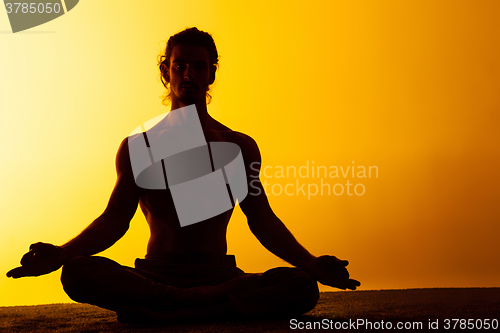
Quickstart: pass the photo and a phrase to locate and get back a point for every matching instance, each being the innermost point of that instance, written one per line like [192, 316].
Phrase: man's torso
[167, 235]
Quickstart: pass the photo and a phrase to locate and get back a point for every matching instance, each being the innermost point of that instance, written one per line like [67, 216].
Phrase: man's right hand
[42, 258]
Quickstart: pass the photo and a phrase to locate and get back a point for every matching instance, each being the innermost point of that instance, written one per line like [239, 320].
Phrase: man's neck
[201, 107]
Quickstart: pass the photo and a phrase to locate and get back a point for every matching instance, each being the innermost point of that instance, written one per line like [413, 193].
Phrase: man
[186, 273]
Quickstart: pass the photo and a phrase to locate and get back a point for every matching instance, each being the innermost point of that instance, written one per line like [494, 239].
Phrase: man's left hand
[331, 271]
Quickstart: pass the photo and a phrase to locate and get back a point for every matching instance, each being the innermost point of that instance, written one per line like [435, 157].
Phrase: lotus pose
[186, 272]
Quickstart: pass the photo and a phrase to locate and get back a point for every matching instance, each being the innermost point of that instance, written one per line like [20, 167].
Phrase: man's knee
[308, 292]
[77, 277]
[302, 287]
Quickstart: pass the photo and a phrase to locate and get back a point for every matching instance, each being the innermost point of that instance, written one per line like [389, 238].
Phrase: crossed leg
[133, 293]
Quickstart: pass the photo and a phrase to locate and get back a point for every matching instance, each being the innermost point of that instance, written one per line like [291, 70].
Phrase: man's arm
[114, 222]
[99, 235]
[274, 235]
[263, 223]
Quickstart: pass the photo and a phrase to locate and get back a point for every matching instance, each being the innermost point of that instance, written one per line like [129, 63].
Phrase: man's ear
[212, 74]
[165, 73]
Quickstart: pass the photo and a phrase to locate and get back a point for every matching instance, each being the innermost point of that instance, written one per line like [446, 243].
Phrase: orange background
[410, 87]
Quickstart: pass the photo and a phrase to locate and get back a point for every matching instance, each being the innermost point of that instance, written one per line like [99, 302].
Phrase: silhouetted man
[186, 272]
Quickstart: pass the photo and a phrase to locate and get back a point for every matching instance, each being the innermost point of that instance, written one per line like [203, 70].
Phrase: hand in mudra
[42, 258]
[331, 271]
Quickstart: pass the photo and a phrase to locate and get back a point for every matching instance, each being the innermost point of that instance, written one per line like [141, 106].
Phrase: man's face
[190, 74]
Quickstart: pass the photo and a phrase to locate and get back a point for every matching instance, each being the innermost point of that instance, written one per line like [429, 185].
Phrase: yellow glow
[409, 87]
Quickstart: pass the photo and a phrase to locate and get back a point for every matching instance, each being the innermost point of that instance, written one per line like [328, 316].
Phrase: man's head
[188, 66]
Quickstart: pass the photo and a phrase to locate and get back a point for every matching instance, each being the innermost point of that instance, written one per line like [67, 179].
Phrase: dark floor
[361, 311]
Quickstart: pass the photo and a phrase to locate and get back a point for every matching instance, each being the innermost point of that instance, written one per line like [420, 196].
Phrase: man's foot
[195, 297]
[144, 315]
[238, 285]
[211, 295]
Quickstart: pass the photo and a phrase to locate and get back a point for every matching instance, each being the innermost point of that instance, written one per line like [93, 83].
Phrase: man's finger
[353, 284]
[18, 272]
[9, 273]
[27, 256]
[34, 246]
[344, 262]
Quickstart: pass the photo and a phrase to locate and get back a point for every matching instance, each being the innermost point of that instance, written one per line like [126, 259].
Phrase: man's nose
[188, 73]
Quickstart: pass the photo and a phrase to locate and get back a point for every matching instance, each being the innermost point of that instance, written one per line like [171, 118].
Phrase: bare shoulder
[249, 151]
[247, 144]
[245, 141]
[123, 163]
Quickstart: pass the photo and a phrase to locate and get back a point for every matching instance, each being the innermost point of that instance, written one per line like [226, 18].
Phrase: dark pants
[159, 284]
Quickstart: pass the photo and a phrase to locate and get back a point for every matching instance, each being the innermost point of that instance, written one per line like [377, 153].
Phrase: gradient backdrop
[411, 87]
